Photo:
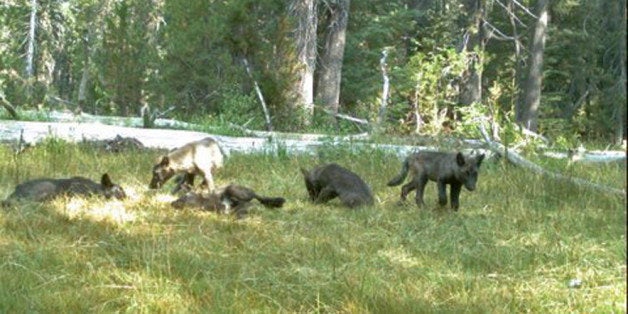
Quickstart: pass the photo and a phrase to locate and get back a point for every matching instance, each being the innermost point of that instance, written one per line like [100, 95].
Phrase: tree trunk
[385, 88]
[330, 75]
[304, 12]
[620, 115]
[517, 54]
[88, 50]
[473, 41]
[30, 52]
[527, 113]
[82, 92]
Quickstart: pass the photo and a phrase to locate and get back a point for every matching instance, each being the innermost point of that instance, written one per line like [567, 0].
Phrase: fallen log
[589, 156]
[302, 136]
[34, 132]
[518, 160]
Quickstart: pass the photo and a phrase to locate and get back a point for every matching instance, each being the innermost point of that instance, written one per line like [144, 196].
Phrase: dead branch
[343, 116]
[7, 105]
[269, 126]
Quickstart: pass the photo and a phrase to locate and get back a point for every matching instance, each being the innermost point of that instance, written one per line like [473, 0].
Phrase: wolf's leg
[241, 210]
[209, 180]
[421, 181]
[326, 194]
[442, 193]
[455, 195]
[406, 189]
[185, 182]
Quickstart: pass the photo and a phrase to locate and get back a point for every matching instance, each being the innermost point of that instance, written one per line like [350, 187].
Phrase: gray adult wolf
[195, 158]
[232, 198]
[44, 189]
[329, 181]
[452, 169]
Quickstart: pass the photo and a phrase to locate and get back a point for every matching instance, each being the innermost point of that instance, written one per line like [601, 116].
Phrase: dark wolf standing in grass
[196, 158]
[232, 198]
[40, 190]
[454, 169]
[329, 181]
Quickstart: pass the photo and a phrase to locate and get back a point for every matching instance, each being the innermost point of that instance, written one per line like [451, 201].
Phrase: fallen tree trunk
[589, 156]
[57, 116]
[518, 160]
[282, 135]
[33, 132]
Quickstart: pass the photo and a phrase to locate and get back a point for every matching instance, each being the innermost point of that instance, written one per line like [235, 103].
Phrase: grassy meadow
[514, 246]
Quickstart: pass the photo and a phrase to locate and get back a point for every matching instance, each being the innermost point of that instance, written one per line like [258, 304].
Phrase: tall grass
[514, 245]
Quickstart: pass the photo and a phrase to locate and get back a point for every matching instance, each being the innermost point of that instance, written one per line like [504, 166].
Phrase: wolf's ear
[479, 160]
[164, 161]
[106, 181]
[460, 159]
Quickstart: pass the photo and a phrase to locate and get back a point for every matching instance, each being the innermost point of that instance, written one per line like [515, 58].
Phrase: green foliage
[189, 54]
[242, 110]
[512, 247]
[427, 81]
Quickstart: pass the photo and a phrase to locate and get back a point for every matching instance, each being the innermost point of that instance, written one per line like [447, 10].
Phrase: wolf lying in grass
[195, 158]
[232, 198]
[454, 169]
[40, 190]
[329, 181]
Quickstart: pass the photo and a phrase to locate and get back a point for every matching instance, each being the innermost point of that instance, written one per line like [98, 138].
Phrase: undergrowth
[514, 246]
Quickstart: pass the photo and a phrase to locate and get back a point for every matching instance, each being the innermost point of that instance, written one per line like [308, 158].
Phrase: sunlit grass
[513, 247]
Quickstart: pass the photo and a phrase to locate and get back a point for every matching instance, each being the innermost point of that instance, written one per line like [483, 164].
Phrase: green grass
[513, 246]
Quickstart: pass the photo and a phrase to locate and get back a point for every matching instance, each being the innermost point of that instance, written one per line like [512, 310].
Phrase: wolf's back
[402, 175]
[36, 190]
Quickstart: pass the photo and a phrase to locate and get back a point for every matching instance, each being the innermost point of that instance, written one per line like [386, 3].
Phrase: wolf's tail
[271, 201]
[402, 175]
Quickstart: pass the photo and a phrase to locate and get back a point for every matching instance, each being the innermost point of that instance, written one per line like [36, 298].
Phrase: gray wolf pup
[196, 158]
[454, 169]
[40, 190]
[329, 181]
[232, 198]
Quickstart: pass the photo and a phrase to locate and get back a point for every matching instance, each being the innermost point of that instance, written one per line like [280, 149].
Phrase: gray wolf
[329, 181]
[195, 158]
[232, 198]
[44, 189]
[453, 169]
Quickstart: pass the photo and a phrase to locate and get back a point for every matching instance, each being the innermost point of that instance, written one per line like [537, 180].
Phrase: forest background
[403, 66]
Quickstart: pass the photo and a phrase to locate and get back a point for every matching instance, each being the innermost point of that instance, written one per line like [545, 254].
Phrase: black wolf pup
[328, 181]
[195, 158]
[454, 169]
[40, 190]
[232, 198]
